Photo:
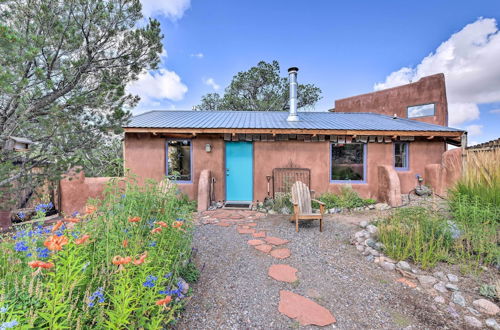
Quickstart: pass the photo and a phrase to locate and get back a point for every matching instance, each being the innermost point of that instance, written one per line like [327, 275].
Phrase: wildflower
[118, 260]
[29, 254]
[44, 207]
[3, 310]
[162, 223]
[152, 244]
[21, 215]
[89, 209]
[40, 264]
[125, 243]
[150, 281]
[19, 234]
[55, 243]
[177, 224]
[156, 230]
[75, 214]
[42, 252]
[57, 225]
[21, 246]
[10, 324]
[164, 301]
[123, 196]
[168, 275]
[141, 259]
[134, 219]
[99, 295]
[82, 240]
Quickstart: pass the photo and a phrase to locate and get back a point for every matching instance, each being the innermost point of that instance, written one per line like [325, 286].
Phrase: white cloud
[470, 61]
[211, 82]
[474, 130]
[172, 9]
[197, 55]
[495, 111]
[154, 87]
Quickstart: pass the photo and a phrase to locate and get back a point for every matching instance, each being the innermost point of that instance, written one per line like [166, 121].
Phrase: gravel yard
[235, 292]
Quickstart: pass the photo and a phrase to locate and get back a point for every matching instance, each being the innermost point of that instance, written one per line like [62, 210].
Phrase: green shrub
[347, 198]
[283, 200]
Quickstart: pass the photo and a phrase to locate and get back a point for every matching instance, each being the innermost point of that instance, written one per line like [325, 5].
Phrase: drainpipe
[292, 73]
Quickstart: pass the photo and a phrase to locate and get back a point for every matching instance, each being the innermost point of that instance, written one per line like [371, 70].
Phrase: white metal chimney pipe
[292, 74]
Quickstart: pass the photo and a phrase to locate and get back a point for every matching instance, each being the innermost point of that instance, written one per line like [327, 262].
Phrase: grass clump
[347, 199]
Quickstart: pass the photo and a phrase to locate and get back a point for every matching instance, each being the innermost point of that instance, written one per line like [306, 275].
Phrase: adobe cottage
[377, 143]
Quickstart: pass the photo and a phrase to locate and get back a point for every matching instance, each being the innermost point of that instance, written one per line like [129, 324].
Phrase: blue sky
[345, 48]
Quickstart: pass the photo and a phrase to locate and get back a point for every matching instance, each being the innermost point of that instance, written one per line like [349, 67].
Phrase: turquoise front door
[239, 171]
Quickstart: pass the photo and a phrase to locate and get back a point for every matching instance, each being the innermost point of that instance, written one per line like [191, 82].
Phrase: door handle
[227, 172]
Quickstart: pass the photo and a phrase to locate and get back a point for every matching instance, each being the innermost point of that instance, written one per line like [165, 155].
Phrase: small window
[401, 155]
[421, 110]
[179, 160]
[348, 162]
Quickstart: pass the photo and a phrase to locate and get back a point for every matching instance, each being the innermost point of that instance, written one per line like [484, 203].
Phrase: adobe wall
[443, 175]
[396, 100]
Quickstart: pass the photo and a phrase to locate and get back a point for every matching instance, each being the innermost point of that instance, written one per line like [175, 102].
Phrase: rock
[360, 234]
[458, 299]
[473, 311]
[382, 258]
[334, 210]
[426, 280]
[451, 287]
[371, 243]
[486, 306]
[439, 300]
[382, 206]
[422, 190]
[407, 282]
[275, 240]
[266, 248]
[379, 246]
[441, 276]
[254, 242]
[259, 234]
[453, 312]
[283, 273]
[440, 287]
[473, 322]
[280, 253]
[372, 229]
[374, 252]
[389, 266]
[366, 252]
[404, 266]
[360, 248]
[452, 278]
[304, 310]
[363, 224]
[271, 212]
[371, 207]
[370, 258]
[285, 210]
[492, 323]
[184, 285]
[360, 239]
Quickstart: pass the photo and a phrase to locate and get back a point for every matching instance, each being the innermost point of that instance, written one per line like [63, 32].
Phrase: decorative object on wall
[208, 147]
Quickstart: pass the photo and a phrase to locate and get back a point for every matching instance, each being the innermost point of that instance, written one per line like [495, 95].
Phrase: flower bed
[121, 265]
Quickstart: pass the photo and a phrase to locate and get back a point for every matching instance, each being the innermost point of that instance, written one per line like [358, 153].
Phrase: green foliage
[491, 291]
[105, 160]
[417, 234]
[347, 198]
[283, 201]
[85, 289]
[260, 89]
[190, 273]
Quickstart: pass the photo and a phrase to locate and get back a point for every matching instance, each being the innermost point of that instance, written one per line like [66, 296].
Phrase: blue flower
[74, 214]
[3, 310]
[179, 219]
[99, 295]
[19, 234]
[29, 254]
[21, 215]
[168, 275]
[7, 325]
[150, 281]
[21, 246]
[152, 244]
[44, 207]
[123, 196]
[42, 252]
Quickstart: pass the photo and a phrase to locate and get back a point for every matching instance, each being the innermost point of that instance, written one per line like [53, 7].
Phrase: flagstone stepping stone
[259, 234]
[275, 240]
[264, 248]
[304, 310]
[283, 273]
[254, 242]
[246, 231]
[281, 253]
[223, 224]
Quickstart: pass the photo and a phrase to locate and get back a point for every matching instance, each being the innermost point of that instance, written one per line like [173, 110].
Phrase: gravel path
[235, 292]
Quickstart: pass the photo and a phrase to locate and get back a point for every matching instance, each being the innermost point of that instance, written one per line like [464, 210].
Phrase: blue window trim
[407, 157]
[365, 156]
[418, 105]
[190, 158]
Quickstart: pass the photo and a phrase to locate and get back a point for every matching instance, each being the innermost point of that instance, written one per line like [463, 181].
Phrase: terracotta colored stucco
[389, 185]
[396, 100]
[445, 174]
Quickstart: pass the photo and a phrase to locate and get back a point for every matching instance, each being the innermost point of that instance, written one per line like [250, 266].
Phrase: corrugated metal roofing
[277, 120]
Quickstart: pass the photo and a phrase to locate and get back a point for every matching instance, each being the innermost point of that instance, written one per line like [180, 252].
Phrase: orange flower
[40, 264]
[177, 224]
[162, 223]
[57, 225]
[118, 260]
[82, 240]
[164, 301]
[156, 230]
[125, 243]
[55, 243]
[141, 259]
[134, 219]
[72, 220]
[89, 209]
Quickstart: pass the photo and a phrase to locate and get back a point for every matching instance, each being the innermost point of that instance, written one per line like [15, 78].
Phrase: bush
[114, 267]
[283, 201]
[347, 199]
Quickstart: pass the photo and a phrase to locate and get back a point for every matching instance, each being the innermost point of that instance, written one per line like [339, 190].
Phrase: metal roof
[277, 120]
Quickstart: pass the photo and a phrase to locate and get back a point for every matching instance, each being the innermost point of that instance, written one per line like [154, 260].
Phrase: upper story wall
[396, 100]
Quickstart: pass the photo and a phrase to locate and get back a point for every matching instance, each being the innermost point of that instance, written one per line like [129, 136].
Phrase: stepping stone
[280, 253]
[304, 310]
[283, 273]
[275, 240]
[246, 231]
[223, 224]
[254, 242]
[407, 282]
[264, 248]
[259, 234]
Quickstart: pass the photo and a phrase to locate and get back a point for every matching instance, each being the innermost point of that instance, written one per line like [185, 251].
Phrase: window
[179, 160]
[421, 110]
[348, 162]
[401, 155]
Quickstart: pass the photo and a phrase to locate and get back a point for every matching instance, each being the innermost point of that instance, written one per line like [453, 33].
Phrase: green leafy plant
[347, 198]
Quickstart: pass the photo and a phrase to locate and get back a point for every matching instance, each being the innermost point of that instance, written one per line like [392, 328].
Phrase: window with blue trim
[348, 162]
[401, 155]
[179, 160]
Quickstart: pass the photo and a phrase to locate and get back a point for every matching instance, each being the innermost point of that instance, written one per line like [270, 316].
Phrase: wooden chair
[302, 208]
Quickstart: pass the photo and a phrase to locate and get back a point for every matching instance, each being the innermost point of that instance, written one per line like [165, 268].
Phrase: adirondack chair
[302, 208]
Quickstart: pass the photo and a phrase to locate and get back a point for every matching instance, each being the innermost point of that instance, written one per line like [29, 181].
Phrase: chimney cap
[293, 69]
